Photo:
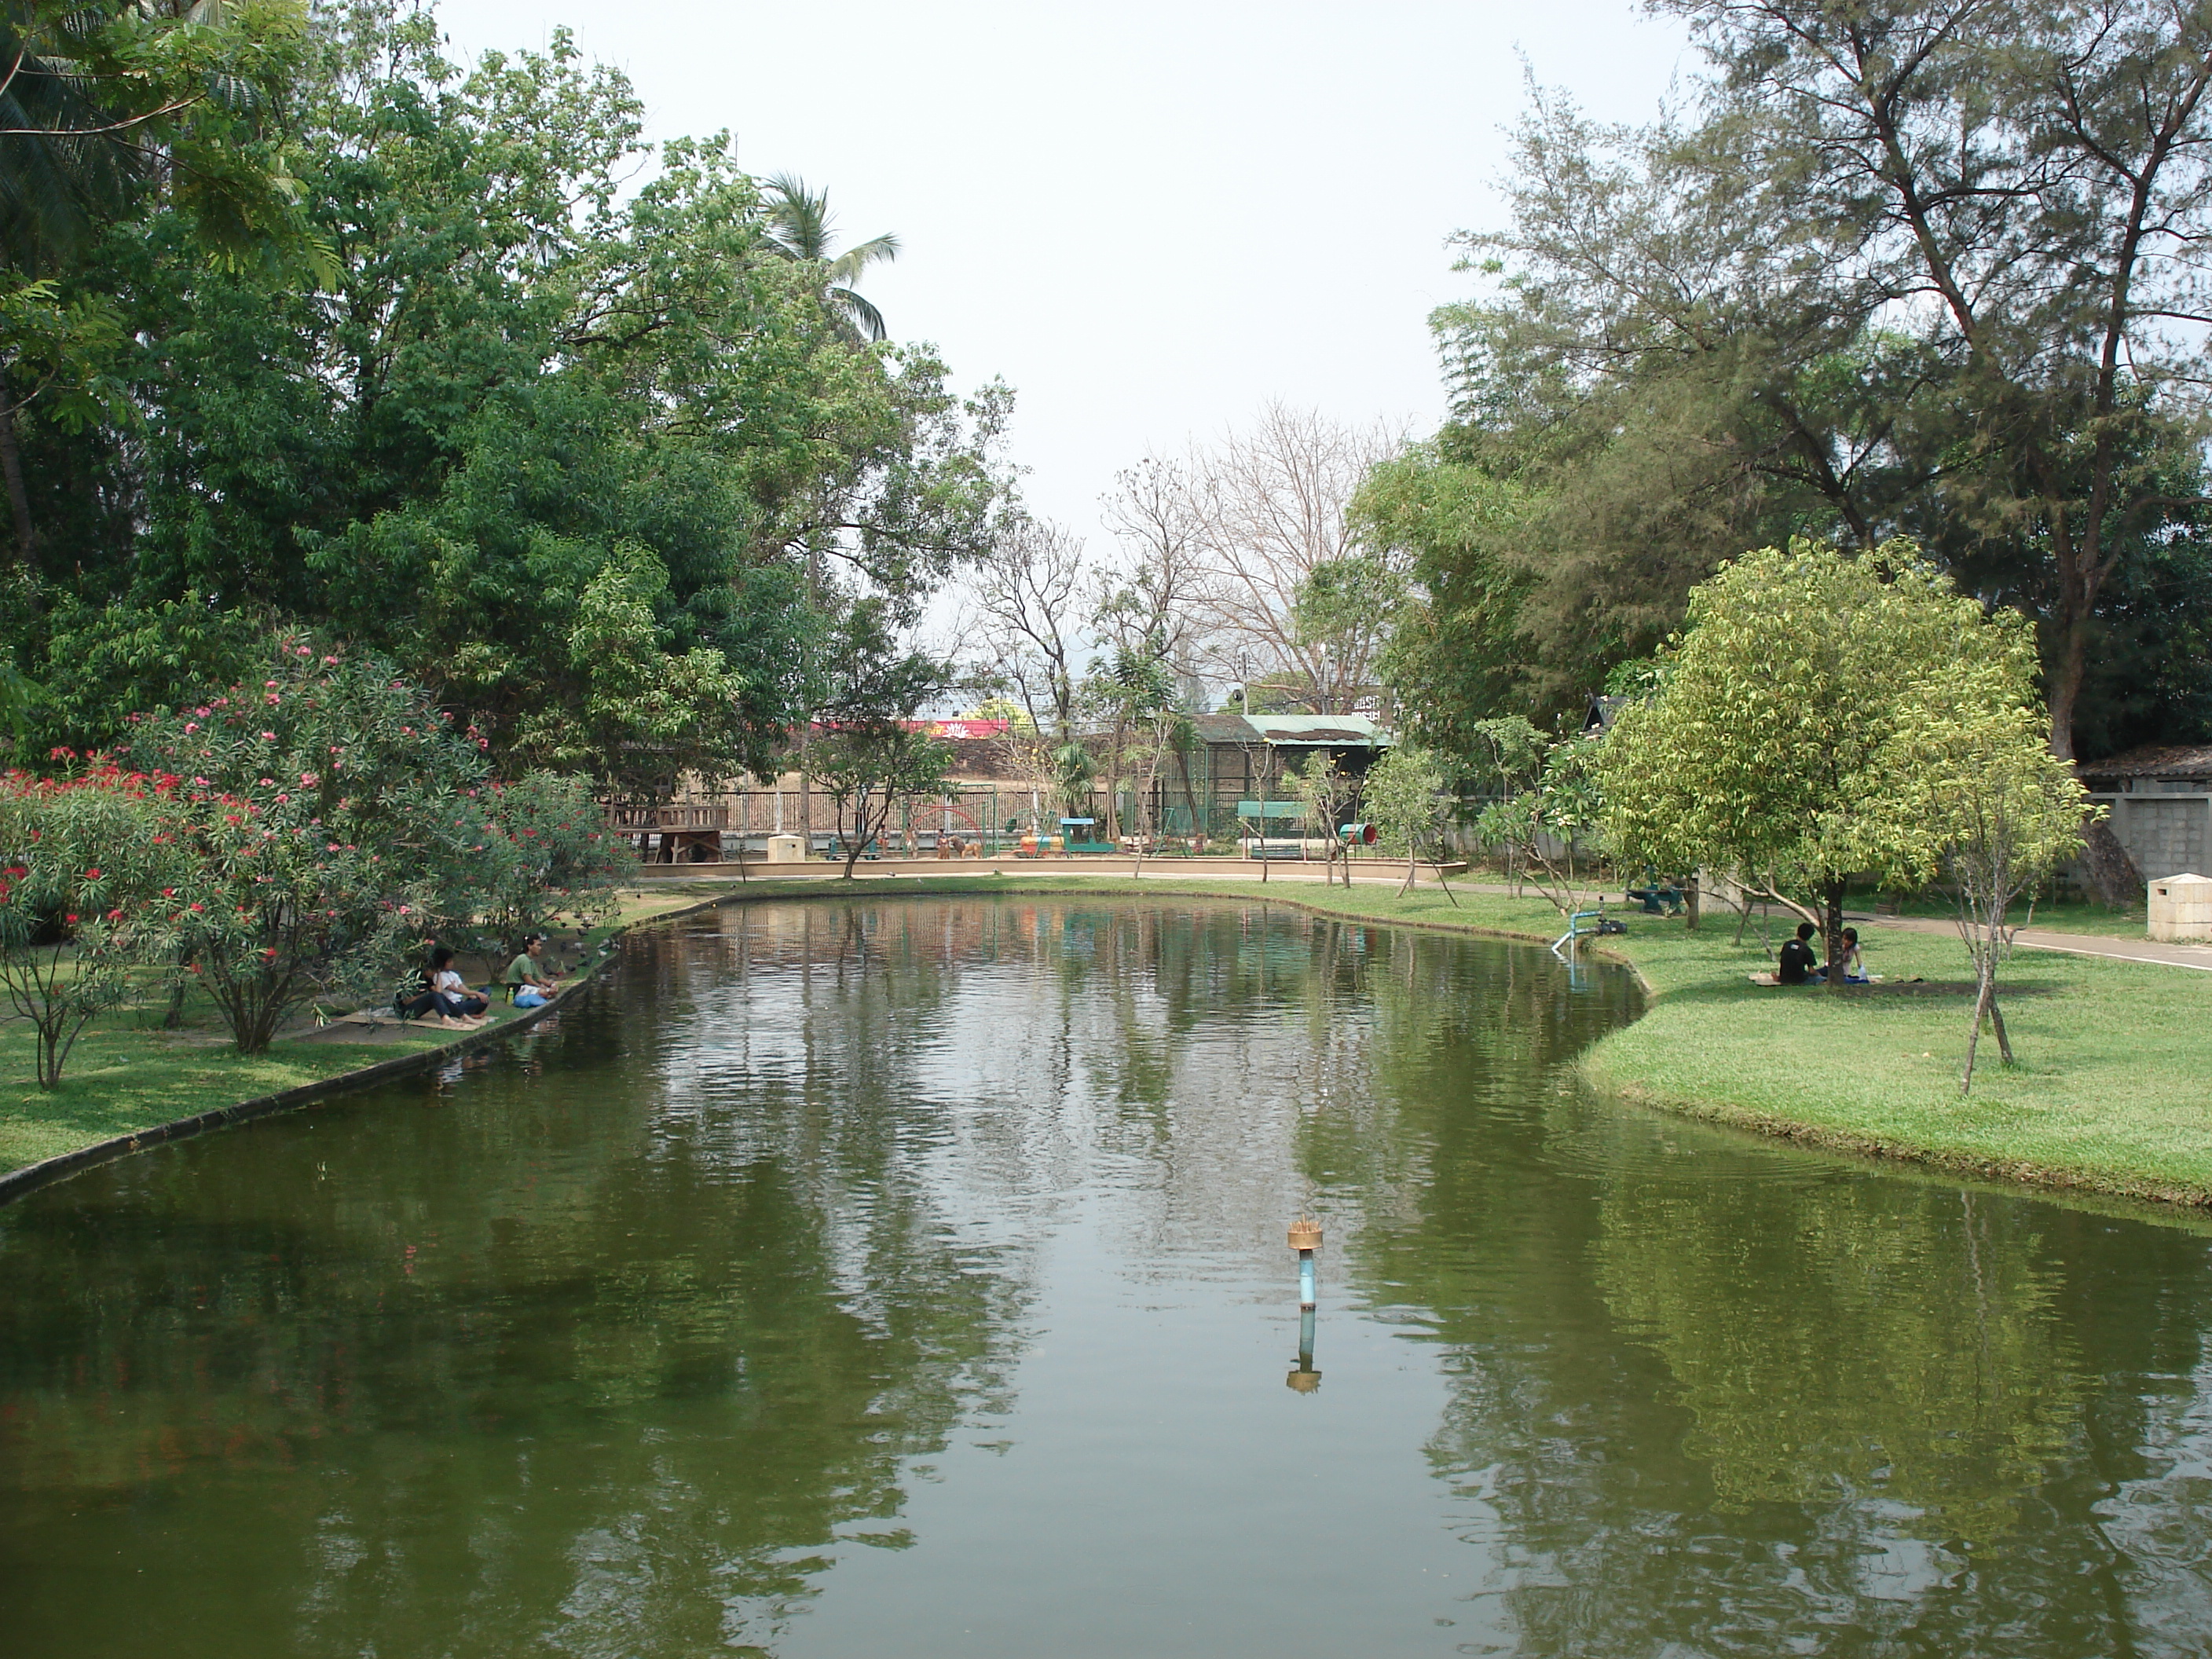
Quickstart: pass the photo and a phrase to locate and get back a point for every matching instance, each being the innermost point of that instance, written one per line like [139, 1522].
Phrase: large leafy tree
[106, 110]
[1923, 271]
[529, 410]
[1771, 745]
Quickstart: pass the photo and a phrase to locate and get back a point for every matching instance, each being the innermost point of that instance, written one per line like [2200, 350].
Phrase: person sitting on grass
[448, 996]
[446, 984]
[533, 987]
[1795, 963]
[1855, 971]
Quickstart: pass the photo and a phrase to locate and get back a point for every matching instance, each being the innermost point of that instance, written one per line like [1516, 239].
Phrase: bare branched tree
[1143, 614]
[1274, 500]
[1030, 598]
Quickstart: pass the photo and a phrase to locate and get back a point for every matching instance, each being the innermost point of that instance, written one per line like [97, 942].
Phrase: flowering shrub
[311, 824]
[82, 864]
[319, 816]
[546, 854]
[273, 911]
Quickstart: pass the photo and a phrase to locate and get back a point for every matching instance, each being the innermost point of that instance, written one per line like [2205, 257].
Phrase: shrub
[82, 861]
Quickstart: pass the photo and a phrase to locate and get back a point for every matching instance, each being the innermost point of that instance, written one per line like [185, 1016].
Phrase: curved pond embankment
[908, 1276]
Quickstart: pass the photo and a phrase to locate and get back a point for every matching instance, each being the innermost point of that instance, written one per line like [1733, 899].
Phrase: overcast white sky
[1149, 219]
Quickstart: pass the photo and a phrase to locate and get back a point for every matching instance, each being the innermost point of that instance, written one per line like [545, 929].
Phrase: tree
[1271, 508]
[871, 757]
[1925, 271]
[528, 381]
[106, 109]
[82, 862]
[1763, 750]
[802, 230]
[642, 718]
[1328, 791]
[328, 813]
[545, 853]
[1407, 794]
[1143, 614]
[1028, 591]
[1548, 820]
[1968, 757]
[2041, 174]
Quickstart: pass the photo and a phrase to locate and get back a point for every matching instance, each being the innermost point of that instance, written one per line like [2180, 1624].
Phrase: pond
[908, 1276]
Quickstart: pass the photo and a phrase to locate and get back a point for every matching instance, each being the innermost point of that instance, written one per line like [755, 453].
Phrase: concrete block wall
[2165, 835]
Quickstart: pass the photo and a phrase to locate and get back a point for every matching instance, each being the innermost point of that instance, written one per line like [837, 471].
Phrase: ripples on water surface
[908, 1279]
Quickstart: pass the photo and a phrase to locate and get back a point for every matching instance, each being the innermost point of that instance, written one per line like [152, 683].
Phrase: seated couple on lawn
[442, 991]
[1797, 964]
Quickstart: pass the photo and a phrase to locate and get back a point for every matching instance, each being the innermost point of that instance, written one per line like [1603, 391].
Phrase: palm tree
[800, 229]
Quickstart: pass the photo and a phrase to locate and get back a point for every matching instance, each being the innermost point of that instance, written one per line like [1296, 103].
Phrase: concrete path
[2198, 956]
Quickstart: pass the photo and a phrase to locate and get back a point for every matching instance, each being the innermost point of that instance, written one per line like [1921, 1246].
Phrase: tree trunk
[1690, 907]
[2113, 874]
[1997, 1024]
[1832, 927]
[19, 499]
[1974, 1035]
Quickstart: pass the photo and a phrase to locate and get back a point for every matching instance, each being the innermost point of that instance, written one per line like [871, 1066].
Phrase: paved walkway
[2198, 956]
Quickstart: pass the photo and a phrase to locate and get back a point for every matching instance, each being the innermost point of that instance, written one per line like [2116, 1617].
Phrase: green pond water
[909, 1278]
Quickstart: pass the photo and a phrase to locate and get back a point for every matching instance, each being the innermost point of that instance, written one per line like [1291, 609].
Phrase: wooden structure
[671, 832]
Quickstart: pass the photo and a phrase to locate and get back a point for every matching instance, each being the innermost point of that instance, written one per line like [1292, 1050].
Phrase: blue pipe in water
[1305, 1278]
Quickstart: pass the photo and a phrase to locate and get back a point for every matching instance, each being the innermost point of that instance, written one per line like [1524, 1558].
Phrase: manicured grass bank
[2111, 1095]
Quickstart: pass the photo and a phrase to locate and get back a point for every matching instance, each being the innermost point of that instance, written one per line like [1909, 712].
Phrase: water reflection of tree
[565, 1376]
[1706, 1398]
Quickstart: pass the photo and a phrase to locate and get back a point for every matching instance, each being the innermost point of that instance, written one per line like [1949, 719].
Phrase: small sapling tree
[1969, 757]
[1406, 796]
[1547, 826]
[82, 862]
[1328, 792]
[873, 757]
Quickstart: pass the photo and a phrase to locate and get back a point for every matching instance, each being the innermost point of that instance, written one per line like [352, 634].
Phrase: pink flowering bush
[321, 818]
[544, 852]
[273, 912]
[82, 861]
[329, 816]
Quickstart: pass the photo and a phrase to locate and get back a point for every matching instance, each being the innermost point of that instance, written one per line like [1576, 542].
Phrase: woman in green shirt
[524, 975]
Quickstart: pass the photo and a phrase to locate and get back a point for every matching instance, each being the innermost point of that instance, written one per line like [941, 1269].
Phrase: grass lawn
[2109, 1094]
[121, 1079]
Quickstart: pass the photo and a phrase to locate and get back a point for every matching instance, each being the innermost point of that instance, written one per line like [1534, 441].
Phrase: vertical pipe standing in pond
[1305, 1239]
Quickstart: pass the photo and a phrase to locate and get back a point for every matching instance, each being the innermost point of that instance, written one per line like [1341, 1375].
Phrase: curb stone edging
[15, 1184]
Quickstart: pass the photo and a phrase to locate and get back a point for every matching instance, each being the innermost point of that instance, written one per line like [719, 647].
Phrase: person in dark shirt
[1795, 965]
